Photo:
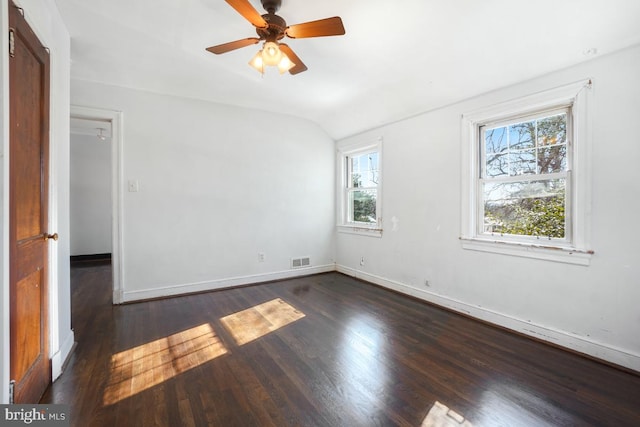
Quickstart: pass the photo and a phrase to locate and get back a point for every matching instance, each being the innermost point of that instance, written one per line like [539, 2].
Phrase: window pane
[552, 130]
[373, 160]
[522, 135]
[535, 208]
[497, 165]
[363, 206]
[536, 146]
[522, 162]
[552, 159]
[495, 140]
[356, 180]
[364, 170]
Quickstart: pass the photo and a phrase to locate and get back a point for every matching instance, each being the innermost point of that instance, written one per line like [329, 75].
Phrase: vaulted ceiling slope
[397, 59]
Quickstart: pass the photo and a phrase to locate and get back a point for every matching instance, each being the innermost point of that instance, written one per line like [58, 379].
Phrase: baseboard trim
[212, 285]
[60, 358]
[579, 344]
[90, 258]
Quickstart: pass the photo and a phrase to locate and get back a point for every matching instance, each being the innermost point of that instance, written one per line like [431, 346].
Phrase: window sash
[482, 178]
[350, 172]
[568, 209]
[506, 122]
[370, 182]
[350, 203]
[351, 189]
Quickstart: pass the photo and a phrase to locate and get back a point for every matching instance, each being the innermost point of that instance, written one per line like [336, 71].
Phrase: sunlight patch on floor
[259, 320]
[150, 364]
[441, 416]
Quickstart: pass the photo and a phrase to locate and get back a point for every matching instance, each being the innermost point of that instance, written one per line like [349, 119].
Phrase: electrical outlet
[261, 257]
[362, 261]
[427, 283]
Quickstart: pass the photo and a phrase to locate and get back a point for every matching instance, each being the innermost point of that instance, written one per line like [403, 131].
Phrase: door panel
[28, 215]
[28, 307]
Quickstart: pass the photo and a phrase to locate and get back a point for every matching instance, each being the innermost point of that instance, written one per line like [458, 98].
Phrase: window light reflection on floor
[259, 320]
[147, 365]
[441, 416]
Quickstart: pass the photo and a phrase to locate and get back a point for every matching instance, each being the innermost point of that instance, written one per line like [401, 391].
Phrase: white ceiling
[397, 59]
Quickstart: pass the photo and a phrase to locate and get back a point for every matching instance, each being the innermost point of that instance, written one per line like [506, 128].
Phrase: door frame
[115, 117]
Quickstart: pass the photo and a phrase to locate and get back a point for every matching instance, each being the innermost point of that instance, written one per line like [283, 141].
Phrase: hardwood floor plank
[324, 350]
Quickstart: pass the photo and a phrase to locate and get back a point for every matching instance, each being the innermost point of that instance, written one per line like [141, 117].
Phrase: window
[523, 187]
[360, 183]
[525, 170]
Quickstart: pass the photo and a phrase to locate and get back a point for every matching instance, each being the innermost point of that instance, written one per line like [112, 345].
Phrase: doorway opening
[95, 196]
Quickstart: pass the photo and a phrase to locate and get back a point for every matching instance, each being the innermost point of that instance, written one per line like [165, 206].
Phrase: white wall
[90, 195]
[44, 19]
[591, 309]
[217, 185]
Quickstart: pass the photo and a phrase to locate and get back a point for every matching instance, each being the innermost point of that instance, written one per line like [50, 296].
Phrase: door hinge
[12, 43]
[12, 385]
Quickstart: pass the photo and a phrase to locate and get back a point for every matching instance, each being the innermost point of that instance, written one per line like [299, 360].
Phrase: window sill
[362, 231]
[529, 250]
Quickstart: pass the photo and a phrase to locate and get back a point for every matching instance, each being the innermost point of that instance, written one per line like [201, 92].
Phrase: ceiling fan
[272, 28]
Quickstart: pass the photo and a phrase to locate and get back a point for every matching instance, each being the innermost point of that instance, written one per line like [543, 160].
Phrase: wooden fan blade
[227, 47]
[299, 67]
[244, 8]
[320, 28]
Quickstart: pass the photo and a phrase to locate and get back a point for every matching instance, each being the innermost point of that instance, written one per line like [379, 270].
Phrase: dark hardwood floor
[323, 350]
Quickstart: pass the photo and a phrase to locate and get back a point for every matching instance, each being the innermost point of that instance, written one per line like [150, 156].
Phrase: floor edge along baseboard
[218, 284]
[566, 340]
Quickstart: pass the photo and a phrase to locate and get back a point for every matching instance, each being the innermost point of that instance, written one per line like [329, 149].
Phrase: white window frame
[574, 248]
[343, 154]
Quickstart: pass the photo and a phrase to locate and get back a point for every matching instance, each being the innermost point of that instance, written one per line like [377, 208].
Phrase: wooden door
[28, 216]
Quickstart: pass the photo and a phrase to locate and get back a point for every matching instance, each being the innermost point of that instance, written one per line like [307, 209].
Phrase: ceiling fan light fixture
[271, 53]
[285, 64]
[257, 62]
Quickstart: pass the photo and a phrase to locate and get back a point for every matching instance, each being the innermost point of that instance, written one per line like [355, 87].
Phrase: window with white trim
[360, 170]
[525, 176]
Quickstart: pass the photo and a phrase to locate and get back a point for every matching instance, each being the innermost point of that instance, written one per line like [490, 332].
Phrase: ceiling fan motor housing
[275, 29]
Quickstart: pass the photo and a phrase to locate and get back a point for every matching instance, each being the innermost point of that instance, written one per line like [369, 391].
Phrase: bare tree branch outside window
[533, 149]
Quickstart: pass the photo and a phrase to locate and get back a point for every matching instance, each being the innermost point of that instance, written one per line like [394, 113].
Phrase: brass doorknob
[53, 236]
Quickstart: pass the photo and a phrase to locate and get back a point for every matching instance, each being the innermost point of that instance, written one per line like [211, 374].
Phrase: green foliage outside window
[364, 207]
[544, 216]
